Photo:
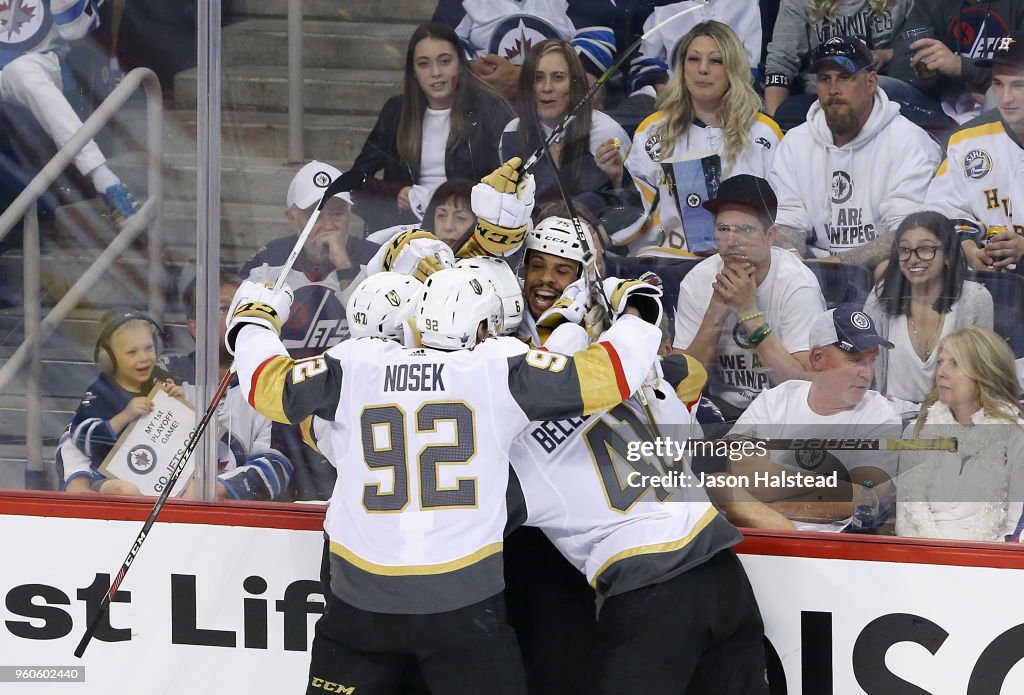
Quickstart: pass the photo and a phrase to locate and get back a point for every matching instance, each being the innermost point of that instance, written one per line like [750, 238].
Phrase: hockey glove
[636, 293]
[257, 304]
[571, 307]
[416, 252]
[502, 202]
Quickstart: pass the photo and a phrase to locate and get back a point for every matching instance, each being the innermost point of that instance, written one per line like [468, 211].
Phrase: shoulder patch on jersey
[763, 142]
[977, 164]
[652, 146]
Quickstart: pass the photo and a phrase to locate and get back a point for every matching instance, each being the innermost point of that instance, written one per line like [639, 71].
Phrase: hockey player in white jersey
[416, 537]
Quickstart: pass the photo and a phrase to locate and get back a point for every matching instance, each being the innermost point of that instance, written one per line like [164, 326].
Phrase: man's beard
[841, 122]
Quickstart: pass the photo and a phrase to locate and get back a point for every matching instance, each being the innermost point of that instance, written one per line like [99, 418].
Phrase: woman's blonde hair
[986, 358]
[740, 104]
[829, 9]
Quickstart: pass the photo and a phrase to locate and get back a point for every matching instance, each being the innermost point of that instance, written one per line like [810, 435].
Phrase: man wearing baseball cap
[836, 403]
[848, 176]
[979, 183]
[745, 312]
[325, 272]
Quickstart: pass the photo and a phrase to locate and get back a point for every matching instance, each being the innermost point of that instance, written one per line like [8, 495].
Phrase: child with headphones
[126, 353]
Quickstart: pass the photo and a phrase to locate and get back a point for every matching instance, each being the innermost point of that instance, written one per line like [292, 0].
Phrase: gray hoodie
[795, 37]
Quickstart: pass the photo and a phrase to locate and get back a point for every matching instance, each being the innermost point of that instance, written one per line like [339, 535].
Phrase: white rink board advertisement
[210, 608]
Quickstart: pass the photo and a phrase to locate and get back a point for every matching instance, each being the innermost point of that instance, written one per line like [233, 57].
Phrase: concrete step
[265, 88]
[56, 414]
[349, 10]
[325, 44]
[334, 138]
[61, 378]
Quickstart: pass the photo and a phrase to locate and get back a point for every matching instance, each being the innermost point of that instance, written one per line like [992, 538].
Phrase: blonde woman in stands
[708, 128]
[976, 492]
[923, 295]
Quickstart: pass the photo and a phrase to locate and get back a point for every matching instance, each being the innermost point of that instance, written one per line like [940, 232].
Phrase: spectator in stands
[745, 312]
[848, 177]
[835, 403]
[588, 158]
[498, 35]
[742, 16]
[977, 492]
[979, 182]
[449, 215]
[963, 32]
[921, 298]
[801, 27]
[126, 354]
[249, 468]
[445, 124]
[322, 278]
[708, 128]
[30, 77]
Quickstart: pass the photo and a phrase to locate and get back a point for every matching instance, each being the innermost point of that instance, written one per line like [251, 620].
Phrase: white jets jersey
[590, 496]
[509, 28]
[421, 440]
[982, 178]
[660, 176]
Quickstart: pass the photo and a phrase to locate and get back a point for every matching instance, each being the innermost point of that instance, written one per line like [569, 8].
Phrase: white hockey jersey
[509, 28]
[421, 440]
[982, 178]
[662, 177]
[742, 16]
[843, 197]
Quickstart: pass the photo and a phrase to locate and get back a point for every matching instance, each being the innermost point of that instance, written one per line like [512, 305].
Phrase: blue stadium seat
[1007, 290]
[841, 283]
[670, 270]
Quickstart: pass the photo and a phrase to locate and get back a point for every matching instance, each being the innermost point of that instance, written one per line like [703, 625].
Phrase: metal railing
[38, 329]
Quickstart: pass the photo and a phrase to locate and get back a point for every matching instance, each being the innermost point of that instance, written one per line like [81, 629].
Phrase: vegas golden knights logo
[475, 284]
[393, 298]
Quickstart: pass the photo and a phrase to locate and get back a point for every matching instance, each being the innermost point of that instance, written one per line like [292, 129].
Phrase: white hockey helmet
[453, 303]
[381, 304]
[505, 283]
[558, 236]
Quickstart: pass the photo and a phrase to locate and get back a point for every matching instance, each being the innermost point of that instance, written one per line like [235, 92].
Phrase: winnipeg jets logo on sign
[860, 320]
[321, 179]
[514, 36]
[22, 23]
[977, 164]
[842, 187]
[141, 459]
[693, 200]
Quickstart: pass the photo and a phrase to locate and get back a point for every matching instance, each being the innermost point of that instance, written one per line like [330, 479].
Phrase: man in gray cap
[745, 312]
[979, 185]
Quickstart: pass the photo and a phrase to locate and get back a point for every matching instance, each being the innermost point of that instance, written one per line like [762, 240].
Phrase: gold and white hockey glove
[644, 296]
[415, 252]
[502, 202]
[257, 304]
[571, 307]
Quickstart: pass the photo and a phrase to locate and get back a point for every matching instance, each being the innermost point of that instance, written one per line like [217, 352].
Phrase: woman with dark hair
[589, 156]
[449, 215]
[446, 123]
[922, 297]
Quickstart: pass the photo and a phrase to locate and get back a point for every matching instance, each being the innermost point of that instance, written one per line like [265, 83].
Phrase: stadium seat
[670, 270]
[1007, 290]
[841, 283]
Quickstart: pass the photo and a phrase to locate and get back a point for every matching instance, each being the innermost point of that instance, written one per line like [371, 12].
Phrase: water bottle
[866, 510]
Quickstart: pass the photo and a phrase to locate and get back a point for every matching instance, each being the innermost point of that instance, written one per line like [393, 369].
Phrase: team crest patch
[860, 320]
[809, 459]
[977, 164]
[513, 37]
[141, 459]
[23, 23]
[393, 298]
[652, 146]
[693, 200]
[763, 142]
[842, 187]
[321, 179]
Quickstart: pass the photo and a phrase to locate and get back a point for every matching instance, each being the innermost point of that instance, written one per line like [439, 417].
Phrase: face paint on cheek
[455, 81]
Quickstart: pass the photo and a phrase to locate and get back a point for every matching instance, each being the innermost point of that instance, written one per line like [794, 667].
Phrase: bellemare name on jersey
[414, 377]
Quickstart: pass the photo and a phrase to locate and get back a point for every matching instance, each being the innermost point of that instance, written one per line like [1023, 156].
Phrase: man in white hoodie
[848, 176]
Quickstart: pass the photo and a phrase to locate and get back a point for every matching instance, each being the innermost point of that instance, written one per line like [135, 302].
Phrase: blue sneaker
[121, 202]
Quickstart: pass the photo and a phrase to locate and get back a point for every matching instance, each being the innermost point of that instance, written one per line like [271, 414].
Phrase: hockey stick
[346, 182]
[839, 444]
[623, 57]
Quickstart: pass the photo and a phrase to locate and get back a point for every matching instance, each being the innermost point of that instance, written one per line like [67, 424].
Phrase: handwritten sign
[147, 450]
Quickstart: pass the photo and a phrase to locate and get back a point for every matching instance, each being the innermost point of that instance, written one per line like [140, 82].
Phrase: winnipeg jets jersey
[594, 497]
[509, 28]
[421, 440]
[38, 26]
